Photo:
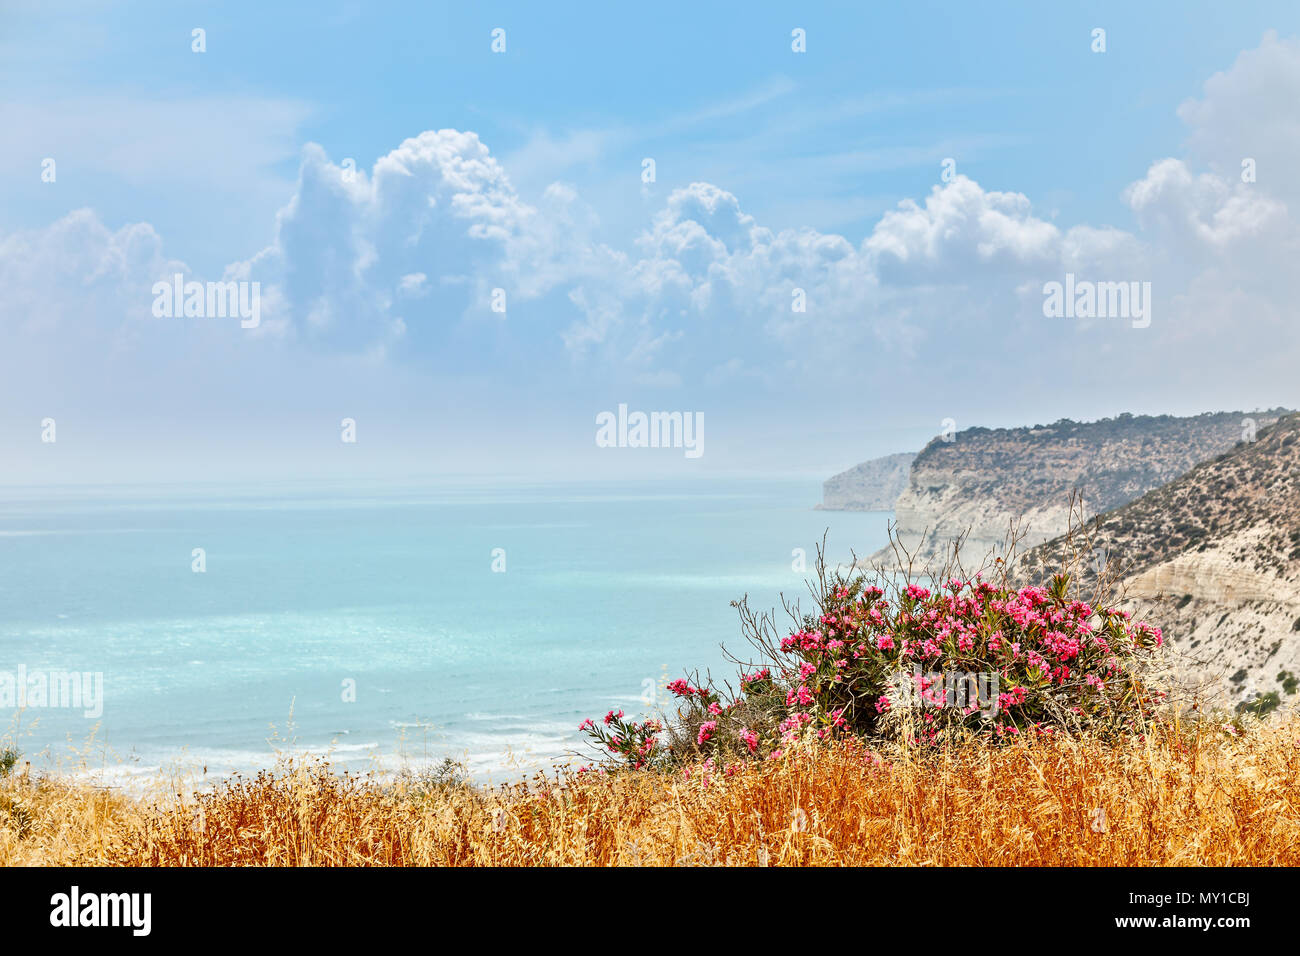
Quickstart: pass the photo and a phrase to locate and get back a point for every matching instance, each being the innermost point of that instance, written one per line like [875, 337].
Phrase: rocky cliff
[980, 479]
[1213, 557]
[871, 486]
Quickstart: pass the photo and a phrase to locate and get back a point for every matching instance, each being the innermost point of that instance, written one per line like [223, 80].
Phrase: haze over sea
[609, 589]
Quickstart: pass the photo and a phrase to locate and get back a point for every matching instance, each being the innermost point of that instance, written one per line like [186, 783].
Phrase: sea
[380, 626]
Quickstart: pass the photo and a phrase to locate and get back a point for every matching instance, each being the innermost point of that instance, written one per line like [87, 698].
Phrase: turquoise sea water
[607, 589]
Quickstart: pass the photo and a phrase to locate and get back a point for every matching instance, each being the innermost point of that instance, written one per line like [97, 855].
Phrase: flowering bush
[970, 657]
[636, 744]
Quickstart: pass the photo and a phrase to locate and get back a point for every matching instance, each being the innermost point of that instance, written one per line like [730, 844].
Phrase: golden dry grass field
[1177, 797]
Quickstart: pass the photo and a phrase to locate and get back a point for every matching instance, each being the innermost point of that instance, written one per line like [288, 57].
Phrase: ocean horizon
[386, 626]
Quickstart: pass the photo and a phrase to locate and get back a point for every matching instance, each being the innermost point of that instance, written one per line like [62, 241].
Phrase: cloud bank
[429, 277]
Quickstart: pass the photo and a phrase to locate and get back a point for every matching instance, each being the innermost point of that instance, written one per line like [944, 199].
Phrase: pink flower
[800, 696]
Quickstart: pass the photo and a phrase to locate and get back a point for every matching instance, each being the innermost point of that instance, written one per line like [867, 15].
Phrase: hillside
[1214, 557]
[871, 486]
[982, 479]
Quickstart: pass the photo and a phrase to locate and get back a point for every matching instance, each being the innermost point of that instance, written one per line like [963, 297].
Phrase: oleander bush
[971, 659]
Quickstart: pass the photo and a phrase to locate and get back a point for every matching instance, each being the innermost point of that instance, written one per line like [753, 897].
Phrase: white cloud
[959, 229]
[76, 279]
[1204, 210]
[437, 221]
[1250, 111]
[413, 285]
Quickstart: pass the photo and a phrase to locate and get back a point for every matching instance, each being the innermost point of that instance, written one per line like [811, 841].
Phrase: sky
[448, 211]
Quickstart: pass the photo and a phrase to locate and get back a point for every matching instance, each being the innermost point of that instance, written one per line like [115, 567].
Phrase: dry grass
[1177, 798]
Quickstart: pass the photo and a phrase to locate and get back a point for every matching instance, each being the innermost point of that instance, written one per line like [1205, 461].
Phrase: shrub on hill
[969, 658]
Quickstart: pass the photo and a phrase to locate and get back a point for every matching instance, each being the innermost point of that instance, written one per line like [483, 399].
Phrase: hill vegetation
[983, 479]
[1215, 555]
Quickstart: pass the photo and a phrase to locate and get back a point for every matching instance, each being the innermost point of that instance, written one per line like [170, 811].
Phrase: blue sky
[882, 96]
[207, 157]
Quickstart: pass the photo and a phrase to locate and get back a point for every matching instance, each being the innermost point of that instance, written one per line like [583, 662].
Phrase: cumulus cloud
[960, 227]
[1220, 221]
[76, 278]
[965, 264]
[438, 207]
[1205, 213]
[1249, 112]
